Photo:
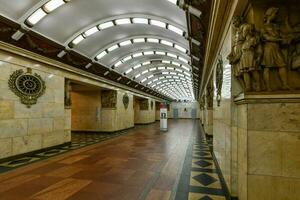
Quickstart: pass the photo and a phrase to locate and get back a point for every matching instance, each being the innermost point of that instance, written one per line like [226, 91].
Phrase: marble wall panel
[26, 144]
[7, 109]
[40, 126]
[273, 188]
[274, 117]
[5, 147]
[265, 153]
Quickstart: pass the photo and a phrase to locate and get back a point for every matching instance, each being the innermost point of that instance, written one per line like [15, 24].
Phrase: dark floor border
[183, 187]
[30, 153]
[87, 131]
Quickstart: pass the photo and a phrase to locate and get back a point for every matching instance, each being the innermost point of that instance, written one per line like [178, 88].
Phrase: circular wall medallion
[125, 100]
[27, 86]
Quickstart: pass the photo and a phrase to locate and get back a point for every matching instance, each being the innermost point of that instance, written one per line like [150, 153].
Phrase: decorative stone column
[208, 126]
[268, 129]
[265, 60]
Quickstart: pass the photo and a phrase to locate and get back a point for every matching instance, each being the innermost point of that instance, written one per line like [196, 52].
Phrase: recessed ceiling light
[140, 21]
[171, 55]
[144, 72]
[175, 29]
[186, 68]
[106, 25]
[148, 53]
[91, 31]
[166, 62]
[52, 5]
[123, 21]
[166, 43]
[153, 40]
[77, 40]
[137, 55]
[137, 66]
[160, 53]
[180, 48]
[101, 55]
[127, 58]
[36, 17]
[138, 40]
[128, 71]
[137, 75]
[118, 63]
[112, 48]
[127, 42]
[183, 60]
[146, 63]
[158, 23]
[176, 63]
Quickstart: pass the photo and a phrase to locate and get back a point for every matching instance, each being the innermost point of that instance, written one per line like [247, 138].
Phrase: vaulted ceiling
[155, 46]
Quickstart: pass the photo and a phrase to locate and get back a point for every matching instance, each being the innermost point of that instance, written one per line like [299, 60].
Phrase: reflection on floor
[79, 140]
[145, 164]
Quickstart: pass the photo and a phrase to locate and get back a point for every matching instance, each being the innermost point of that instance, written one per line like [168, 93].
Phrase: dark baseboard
[145, 123]
[234, 198]
[33, 152]
[96, 132]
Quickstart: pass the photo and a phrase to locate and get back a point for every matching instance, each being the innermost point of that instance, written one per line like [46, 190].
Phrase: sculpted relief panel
[263, 60]
[109, 99]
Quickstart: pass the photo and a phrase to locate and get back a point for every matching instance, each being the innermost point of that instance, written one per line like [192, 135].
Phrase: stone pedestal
[268, 129]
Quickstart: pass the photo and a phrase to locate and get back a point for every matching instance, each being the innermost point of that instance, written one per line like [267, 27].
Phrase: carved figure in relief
[250, 58]
[236, 51]
[294, 50]
[273, 56]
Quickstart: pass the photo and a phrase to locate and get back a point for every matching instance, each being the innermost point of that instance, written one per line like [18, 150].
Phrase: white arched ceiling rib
[162, 77]
[149, 73]
[149, 66]
[154, 54]
[128, 19]
[157, 40]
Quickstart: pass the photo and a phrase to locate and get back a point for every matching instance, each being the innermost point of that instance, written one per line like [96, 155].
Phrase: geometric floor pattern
[79, 140]
[199, 178]
[204, 183]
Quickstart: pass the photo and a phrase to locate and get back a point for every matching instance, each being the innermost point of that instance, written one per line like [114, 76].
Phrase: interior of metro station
[149, 100]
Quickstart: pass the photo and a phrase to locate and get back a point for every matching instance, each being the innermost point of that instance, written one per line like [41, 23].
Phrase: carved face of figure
[236, 22]
[247, 30]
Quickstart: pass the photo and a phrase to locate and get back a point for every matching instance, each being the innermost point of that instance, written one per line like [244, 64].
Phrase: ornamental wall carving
[144, 104]
[27, 86]
[265, 54]
[109, 99]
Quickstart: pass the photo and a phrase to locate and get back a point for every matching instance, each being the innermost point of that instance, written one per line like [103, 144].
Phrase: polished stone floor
[144, 163]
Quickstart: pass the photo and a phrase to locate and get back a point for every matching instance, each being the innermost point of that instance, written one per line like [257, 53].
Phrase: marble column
[268, 129]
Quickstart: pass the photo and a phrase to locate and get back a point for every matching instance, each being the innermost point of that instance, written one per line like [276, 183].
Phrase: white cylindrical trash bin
[163, 117]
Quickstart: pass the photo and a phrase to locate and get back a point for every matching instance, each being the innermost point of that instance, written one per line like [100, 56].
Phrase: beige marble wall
[44, 124]
[47, 123]
[144, 116]
[268, 150]
[119, 118]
